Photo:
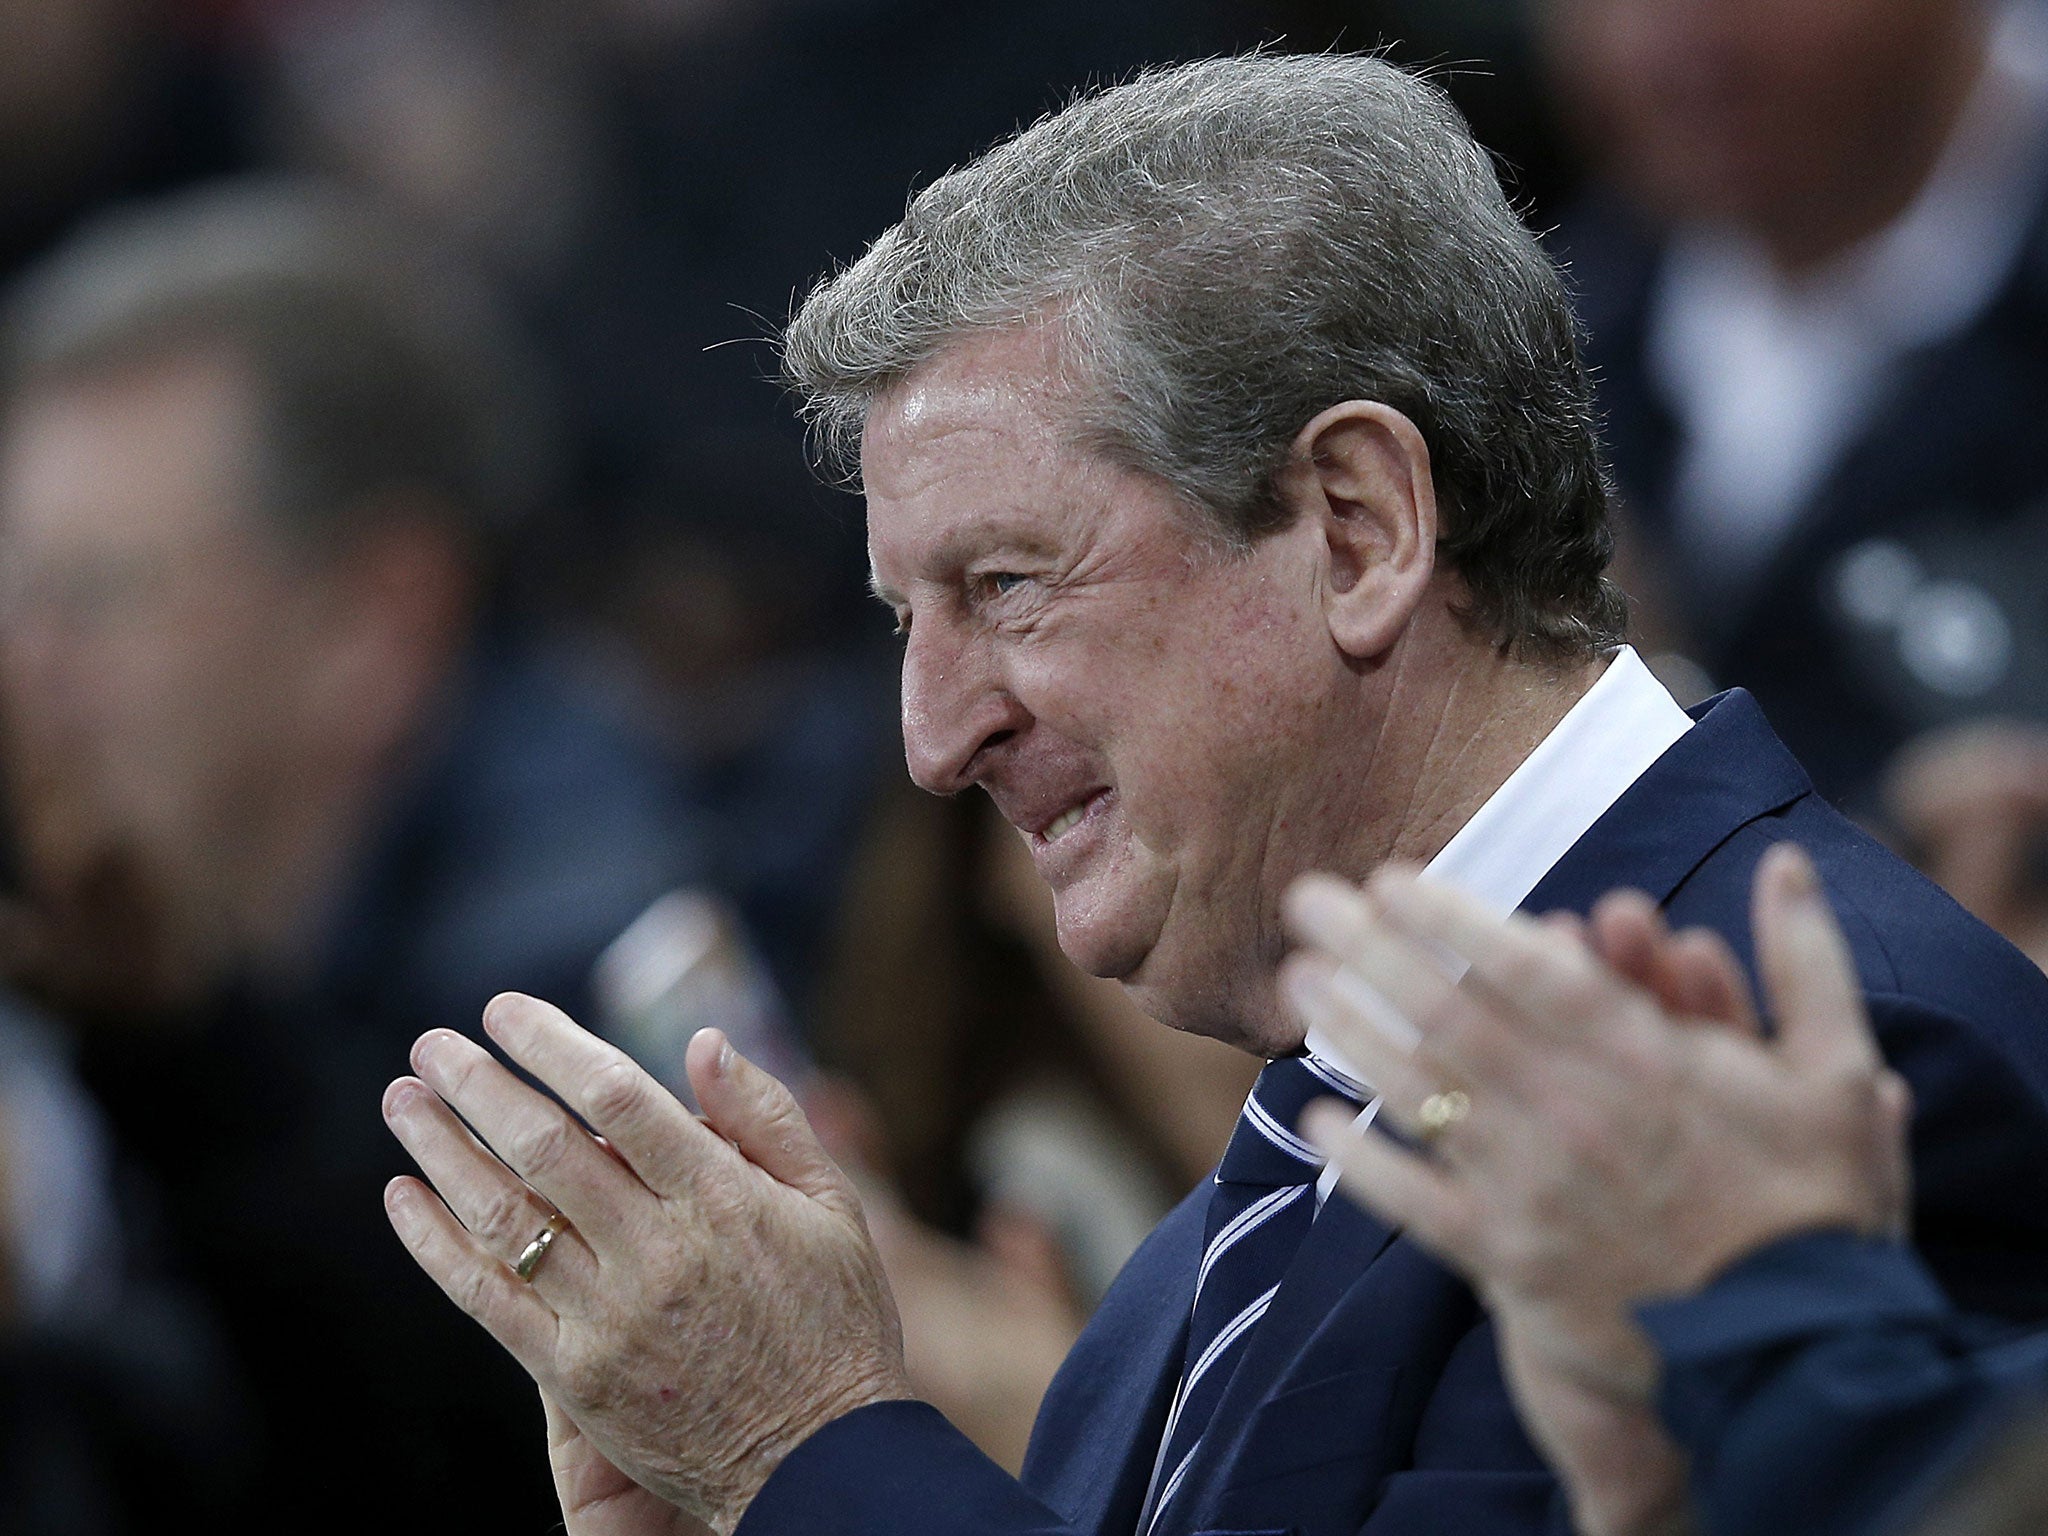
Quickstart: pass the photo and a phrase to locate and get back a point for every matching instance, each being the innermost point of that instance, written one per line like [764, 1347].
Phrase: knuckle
[462, 1071]
[475, 1292]
[616, 1090]
[506, 1218]
[542, 1146]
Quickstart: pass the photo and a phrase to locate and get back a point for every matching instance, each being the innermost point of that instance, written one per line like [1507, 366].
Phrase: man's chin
[1198, 999]
[1111, 951]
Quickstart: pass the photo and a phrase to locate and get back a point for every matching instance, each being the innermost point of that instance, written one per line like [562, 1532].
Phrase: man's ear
[1361, 472]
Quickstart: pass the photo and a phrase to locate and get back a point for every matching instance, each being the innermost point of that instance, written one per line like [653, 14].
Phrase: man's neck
[1486, 716]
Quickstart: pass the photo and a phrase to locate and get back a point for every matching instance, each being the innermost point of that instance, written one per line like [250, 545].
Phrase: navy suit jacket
[1824, 1385]
[1370, 1402]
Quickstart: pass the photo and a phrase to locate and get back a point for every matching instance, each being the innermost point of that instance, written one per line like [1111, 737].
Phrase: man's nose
[956, 709]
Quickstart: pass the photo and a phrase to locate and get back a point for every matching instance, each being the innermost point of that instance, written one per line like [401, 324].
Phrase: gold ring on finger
[1440, 1111]
[531, 1255]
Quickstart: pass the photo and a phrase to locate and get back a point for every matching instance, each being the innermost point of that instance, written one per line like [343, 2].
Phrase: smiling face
[1167, 723]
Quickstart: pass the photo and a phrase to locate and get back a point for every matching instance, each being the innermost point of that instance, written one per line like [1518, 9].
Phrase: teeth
[1067, 822]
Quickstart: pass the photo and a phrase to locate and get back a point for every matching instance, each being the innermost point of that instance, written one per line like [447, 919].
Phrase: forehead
[972, 450]
[149, 451]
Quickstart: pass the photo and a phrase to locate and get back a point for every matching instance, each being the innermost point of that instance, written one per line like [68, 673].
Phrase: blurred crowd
[412, 587]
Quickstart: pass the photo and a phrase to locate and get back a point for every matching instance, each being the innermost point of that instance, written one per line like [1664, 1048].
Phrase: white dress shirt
[1608, 740]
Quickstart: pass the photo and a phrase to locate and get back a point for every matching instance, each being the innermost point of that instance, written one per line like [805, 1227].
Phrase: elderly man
[1745, 1196]
[1231, 474]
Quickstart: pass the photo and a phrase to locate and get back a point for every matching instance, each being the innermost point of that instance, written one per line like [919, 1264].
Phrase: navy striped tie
[1261, 1208]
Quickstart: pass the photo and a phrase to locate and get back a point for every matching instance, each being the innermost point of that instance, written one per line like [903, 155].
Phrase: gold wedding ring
[1440, 1111]
[535, 1251]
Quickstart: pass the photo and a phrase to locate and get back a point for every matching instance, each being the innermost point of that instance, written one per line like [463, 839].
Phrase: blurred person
[1207, 583]
[1811, 270]
[115, 1395]
[1972, 805]
[289, 784]
[1690, 1232]
[108, 99]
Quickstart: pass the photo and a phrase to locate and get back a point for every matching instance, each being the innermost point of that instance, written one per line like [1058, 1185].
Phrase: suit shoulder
[1917, 952]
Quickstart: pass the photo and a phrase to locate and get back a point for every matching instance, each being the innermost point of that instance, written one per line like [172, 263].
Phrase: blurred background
[412, 587]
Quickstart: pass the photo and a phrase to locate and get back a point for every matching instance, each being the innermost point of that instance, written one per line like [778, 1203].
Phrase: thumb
[760, 1116]
[1804, 961]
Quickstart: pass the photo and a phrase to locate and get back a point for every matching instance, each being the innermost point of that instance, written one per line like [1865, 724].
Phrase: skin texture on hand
[715, 1298]
[1630, 1132]
[597, 1498]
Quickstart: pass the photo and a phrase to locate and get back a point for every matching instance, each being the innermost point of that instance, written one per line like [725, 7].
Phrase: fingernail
[1798, 874]
[725, 1054]
[400, 1100]
[493, 1019]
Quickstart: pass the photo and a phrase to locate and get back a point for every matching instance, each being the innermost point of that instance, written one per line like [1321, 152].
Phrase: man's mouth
[1070, 818]
[1065, 823]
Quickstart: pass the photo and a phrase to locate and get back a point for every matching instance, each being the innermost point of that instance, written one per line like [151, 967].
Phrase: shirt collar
[1605, 742]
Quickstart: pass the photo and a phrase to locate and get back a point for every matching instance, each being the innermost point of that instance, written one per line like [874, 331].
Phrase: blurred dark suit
[1950, 470]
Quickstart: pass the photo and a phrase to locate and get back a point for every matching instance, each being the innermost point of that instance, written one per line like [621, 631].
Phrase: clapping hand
[1597, 1119]
[710, 1296]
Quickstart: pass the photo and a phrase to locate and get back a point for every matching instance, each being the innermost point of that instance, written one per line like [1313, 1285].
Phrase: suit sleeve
[1824, 1381]
[891, 1468]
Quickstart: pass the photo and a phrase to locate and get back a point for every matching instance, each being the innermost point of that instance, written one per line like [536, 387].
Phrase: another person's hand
[1589, 1150]
[714, 1298]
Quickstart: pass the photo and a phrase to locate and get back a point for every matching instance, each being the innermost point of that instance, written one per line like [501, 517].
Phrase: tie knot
[1265, 1148]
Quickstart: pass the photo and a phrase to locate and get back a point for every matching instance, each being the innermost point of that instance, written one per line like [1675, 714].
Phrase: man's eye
[1003, 582]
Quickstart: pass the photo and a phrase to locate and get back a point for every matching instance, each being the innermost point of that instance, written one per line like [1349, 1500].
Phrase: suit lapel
[1724, 773]
[1285, 1348]
[1098, 1430]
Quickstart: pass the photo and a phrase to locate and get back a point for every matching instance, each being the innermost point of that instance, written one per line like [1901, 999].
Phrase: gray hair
[376, 365]
[1229, 248]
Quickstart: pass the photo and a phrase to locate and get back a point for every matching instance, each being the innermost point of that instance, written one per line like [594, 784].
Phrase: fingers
[1627, 931]
[761, 1117]
[1387, 981]
[1386, 998]
[531, 1133]
[1704, 981]
[1403, 1189]
[659, 1140]
[1806, 968]
[1337, 1007]
[1543, 979]
[474, 1279]
[496, 1208]
[1693, 974]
